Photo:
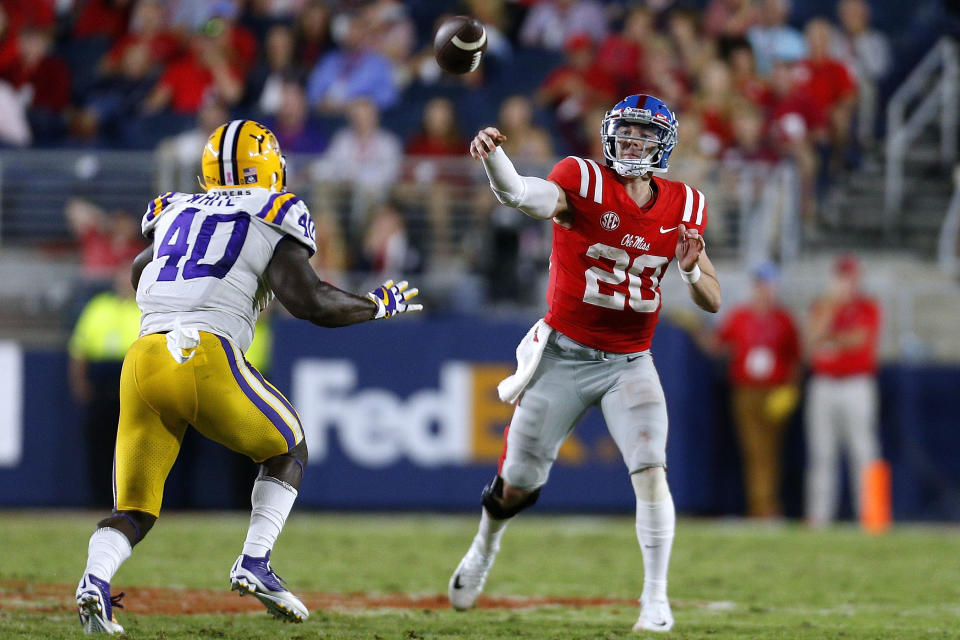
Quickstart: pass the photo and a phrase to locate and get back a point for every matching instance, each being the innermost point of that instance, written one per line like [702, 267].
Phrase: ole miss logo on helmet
[610, 221]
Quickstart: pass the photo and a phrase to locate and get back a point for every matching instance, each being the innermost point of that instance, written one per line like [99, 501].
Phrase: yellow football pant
[216, 391]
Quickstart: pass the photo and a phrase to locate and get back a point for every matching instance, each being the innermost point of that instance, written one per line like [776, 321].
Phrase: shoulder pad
[156, 207]
[578, 176]
[288, 213]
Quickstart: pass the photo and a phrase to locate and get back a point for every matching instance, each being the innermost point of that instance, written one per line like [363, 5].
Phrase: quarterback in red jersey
[615, 230]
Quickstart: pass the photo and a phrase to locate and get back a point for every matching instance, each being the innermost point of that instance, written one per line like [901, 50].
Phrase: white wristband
[690, 277]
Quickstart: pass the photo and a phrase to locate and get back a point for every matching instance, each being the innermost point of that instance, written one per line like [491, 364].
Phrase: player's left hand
[392, 299]
[690, 244]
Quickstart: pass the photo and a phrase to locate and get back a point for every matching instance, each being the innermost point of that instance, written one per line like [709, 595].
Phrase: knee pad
[493, 493]
[650, 484]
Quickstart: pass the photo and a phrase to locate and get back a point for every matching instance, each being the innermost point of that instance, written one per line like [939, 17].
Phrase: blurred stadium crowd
[377, 134]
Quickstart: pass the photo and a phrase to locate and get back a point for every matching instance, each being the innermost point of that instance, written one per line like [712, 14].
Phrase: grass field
[381, 577]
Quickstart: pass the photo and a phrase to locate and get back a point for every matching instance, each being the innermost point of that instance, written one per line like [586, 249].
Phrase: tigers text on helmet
[652, 139]
[243, 153]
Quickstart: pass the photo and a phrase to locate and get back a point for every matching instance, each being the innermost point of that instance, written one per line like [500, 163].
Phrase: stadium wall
[404, 415]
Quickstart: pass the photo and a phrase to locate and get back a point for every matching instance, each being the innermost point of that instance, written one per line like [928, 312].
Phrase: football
[460, 44]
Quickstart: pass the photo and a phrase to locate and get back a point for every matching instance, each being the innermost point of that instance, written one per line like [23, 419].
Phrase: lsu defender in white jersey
[210, 251]
[216, 259]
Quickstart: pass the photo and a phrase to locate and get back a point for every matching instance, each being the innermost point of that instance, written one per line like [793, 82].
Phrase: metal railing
[948, 242]
[931, 89]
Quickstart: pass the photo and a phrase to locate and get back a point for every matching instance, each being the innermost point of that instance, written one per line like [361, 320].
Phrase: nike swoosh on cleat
[456, 582]
[662, 230]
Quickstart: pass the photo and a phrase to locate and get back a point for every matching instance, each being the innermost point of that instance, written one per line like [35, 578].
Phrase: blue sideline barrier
[404, 415]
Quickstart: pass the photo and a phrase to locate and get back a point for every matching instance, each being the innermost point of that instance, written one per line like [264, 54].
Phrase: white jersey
[210, 251]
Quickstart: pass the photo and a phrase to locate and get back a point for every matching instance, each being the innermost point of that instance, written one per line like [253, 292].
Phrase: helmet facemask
[635, 142]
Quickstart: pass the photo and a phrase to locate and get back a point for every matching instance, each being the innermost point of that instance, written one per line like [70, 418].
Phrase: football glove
[392, 299]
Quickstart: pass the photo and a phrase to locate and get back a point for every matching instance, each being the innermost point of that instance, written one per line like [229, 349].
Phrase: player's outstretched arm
[307, 297]
[697, 270]
[536, 197]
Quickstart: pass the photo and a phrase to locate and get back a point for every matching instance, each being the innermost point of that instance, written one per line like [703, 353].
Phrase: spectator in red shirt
[743, 68]
[842, 336]
[827, 82]
[714, 103]
[42, 75]
[43, 81]
[795, 124]
[108, 241]
[622, 52]
[575, 88]
[191, 80]
[764, 350]
[107, 19]
[147, 28]
[438, 134]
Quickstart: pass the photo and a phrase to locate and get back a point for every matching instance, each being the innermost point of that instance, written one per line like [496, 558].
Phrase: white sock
[272, 500]
[656, 522]
[108, 549]
[490, 532]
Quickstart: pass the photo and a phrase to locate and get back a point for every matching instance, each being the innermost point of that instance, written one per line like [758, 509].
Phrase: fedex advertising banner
[407, 414]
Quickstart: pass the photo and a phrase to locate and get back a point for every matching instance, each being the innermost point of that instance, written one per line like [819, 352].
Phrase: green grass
[770, 582]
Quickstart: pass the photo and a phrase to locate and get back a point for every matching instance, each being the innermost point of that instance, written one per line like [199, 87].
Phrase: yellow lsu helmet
[243, 153]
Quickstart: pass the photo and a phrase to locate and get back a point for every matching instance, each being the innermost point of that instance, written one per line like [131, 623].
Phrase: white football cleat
[655, 615]
[256, 576]
[95, 606]
[467, 581]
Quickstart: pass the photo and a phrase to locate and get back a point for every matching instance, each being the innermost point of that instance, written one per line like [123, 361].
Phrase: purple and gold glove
[391, 299]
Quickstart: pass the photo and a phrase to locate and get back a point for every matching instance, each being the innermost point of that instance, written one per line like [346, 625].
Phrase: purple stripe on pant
[285, 430]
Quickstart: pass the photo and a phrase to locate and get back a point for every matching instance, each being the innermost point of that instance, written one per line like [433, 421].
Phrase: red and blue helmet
[659, 137]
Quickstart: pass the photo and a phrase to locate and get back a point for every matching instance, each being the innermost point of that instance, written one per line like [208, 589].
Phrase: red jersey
[605, 270]
[859, 313]
[765, 348]
[827, 82]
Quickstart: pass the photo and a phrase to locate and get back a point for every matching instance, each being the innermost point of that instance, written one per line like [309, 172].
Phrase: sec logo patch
[610, 221]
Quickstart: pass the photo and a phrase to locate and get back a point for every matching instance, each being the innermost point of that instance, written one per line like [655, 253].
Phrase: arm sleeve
[536, 197]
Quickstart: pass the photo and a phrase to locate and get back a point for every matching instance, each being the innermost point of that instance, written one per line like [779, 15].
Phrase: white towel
[182, 342]
[528, 357]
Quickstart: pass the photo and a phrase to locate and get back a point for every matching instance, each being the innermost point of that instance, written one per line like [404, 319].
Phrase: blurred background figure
[841, 333]
[866, 51]
[264, 91]
[296, 130]
[431, 178]
[363, 159]
[575, 89]
[773, 38]
[108, 240]
[831, 87]
[108, 325]
[177, 154]
[386, 246]
[551, 23]
[352, 71]
[763, 346]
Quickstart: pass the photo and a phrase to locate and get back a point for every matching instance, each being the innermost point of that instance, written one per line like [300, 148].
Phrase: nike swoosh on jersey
[662, 230]
[456, 582]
